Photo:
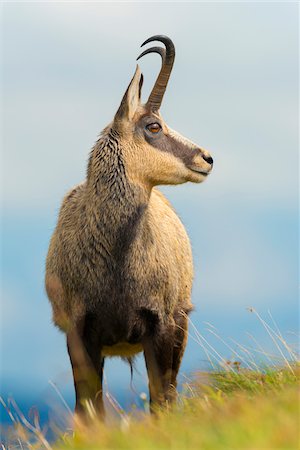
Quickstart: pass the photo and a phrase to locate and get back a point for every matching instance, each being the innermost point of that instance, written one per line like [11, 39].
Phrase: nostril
[208, 159]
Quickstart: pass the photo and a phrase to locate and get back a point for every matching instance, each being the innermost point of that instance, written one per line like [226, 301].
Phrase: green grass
[242, 410]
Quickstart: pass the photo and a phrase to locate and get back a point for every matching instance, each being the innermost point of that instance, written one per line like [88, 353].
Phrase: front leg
[87, 366]
[158, 352]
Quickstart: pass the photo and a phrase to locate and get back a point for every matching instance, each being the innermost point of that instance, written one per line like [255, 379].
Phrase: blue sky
[233, 90]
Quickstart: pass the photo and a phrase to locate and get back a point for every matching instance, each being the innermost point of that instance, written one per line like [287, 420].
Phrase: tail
[130, 361]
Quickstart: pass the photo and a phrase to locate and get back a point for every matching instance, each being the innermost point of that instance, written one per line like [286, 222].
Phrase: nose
[208, 159]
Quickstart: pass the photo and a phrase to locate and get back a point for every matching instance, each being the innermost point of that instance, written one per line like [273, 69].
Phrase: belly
[123, 349]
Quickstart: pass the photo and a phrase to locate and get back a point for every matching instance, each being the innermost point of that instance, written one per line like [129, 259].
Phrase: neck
[116, 206]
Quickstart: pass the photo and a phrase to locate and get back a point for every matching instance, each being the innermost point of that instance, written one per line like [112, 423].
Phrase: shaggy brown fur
[119, 267]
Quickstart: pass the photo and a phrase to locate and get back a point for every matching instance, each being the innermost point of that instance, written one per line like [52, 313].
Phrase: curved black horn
[159, 50]
[168, 56]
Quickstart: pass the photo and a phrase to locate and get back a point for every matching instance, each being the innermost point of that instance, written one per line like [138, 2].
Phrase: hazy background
[233, 90]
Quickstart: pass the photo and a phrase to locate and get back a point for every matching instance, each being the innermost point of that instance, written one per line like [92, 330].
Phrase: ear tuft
[131, 98]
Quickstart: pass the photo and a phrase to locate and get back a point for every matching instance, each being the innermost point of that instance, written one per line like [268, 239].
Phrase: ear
[132, 97]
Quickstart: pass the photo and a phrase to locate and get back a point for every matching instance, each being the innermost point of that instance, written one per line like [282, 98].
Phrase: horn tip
[158, 37]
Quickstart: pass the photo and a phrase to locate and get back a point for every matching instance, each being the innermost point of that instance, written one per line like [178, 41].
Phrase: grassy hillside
[242, 410]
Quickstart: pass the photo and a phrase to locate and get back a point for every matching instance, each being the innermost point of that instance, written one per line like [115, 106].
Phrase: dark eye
[153, 127]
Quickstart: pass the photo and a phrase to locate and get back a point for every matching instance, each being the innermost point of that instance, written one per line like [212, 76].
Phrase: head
[154, 153]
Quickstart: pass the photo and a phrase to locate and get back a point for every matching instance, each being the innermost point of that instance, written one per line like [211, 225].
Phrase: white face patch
[182, 139]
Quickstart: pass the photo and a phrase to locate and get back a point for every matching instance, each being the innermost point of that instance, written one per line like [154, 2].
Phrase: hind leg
[181, 334]
[158, 352]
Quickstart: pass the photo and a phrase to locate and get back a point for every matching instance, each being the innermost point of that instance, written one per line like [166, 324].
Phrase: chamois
[119, 267]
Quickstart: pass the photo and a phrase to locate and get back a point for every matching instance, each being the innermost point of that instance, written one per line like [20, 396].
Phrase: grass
[239, 404]
[242, 410]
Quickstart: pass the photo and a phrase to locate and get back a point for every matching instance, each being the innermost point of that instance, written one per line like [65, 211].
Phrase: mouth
[194, 169]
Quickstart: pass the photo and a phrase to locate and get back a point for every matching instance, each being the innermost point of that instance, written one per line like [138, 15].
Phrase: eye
[154, 127]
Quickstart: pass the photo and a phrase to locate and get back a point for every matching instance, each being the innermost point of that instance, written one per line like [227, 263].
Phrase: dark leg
[181, 334]
[158, 352]
[87, 366]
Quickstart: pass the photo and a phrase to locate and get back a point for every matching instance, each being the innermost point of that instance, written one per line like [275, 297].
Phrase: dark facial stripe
[167, 143]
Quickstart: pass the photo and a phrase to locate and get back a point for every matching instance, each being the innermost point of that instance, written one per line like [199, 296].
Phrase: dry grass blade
[270, 332]
[230, 348]
[198, 341]
[36, 431]
[61, 397]
[7, 409]
[247, 352]
[202, 339]
[267, 355]
[292, 354]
